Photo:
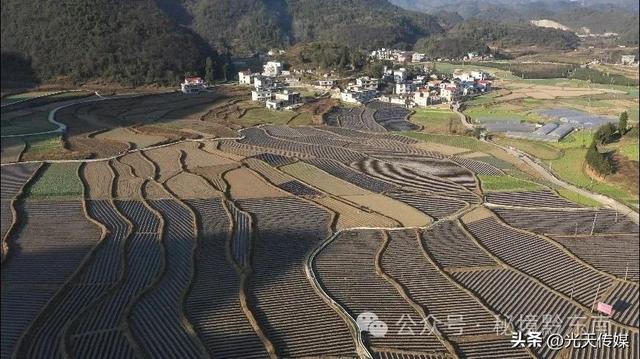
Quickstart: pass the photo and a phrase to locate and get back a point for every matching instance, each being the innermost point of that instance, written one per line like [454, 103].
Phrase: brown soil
[350, 217]
[99, 179]
[141, 167]
[246, 184]
[271, 174]
[214, 174]
[167, 159]
[139, 140]
[317, 108]
[476, 215]
[212, 147]
[188, 186]
[153, 190]
[127, 186]
[405, 214]
[196, 157]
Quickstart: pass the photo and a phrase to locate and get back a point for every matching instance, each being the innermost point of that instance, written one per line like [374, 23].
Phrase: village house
[418, 57]
[272, 69]
[326, 83]
[193, 84]
[260, 95]
[404, 88]
[355, 95]
[245, 77]
[366, 83]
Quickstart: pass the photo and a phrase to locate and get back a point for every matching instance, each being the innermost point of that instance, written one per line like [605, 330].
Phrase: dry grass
[322, 180]
[188, 186]
[196, 157]
[211, 147]
[441, 148]
[126, 135]
[141, 166]
[476, 215]
[245, 183]
[153, 190]
[167, 159]
[126, 184]
[350, 217]
[271, 174]
[99, 179]
[405, 214]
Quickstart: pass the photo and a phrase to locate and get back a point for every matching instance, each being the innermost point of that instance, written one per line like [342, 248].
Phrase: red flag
[605, 308]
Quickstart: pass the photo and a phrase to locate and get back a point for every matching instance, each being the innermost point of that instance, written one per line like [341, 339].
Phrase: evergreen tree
[623, 122]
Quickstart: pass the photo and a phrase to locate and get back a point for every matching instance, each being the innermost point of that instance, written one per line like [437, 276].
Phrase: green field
[44, 144]
[539, 149]
[470, 143]
[59, 181]
[256, 116]
[577, 198]
[437, 121]
[506, 183]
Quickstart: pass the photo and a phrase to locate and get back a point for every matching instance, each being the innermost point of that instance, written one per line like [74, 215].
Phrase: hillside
[150, 42]
[598, 17]
[114, 40]
[245, 25]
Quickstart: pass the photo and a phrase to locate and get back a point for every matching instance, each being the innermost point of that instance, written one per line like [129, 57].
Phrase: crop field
[138, 232]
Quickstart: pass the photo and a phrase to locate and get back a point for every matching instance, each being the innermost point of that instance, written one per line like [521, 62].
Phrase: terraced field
[276, 241]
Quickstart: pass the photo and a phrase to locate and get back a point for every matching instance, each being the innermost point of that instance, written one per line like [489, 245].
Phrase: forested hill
[249, 25]
[147, 41]
[115, 40]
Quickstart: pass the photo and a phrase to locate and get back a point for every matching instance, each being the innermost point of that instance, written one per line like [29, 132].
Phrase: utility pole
[593, 225]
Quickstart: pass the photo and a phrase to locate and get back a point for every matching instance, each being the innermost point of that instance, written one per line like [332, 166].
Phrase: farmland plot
[273, 175]
[157, 320]
[456, 313]
[435, 206]
[245, 183]
[189, 186]
[294, 318]
[167, 159]
[98, 178]
[322, 180]
[439, 168]
[350, 216]
[12, 180]
[12, 149]
[397, 210]
[257, 137]
[350, 175]
[274, 160]
[346, 269]
[540, 259]
[478, 167]
[405, 177]
[624, 299]
[568, 222]
[45, 259]
[615, 254]
[213, 304]
[126, 184]
[99, 330]
[515, 297]
[101, 272]
[544, 198]
[441, 238]
[589, 352]
[140, 166]
[125, 135]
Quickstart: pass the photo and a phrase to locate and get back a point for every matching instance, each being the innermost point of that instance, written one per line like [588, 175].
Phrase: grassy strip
[257, 116]
[506, 184]
[58, 181]
[577, 198]
[437, 120]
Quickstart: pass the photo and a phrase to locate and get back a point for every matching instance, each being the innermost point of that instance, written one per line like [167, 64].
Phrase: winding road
[551, 177]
